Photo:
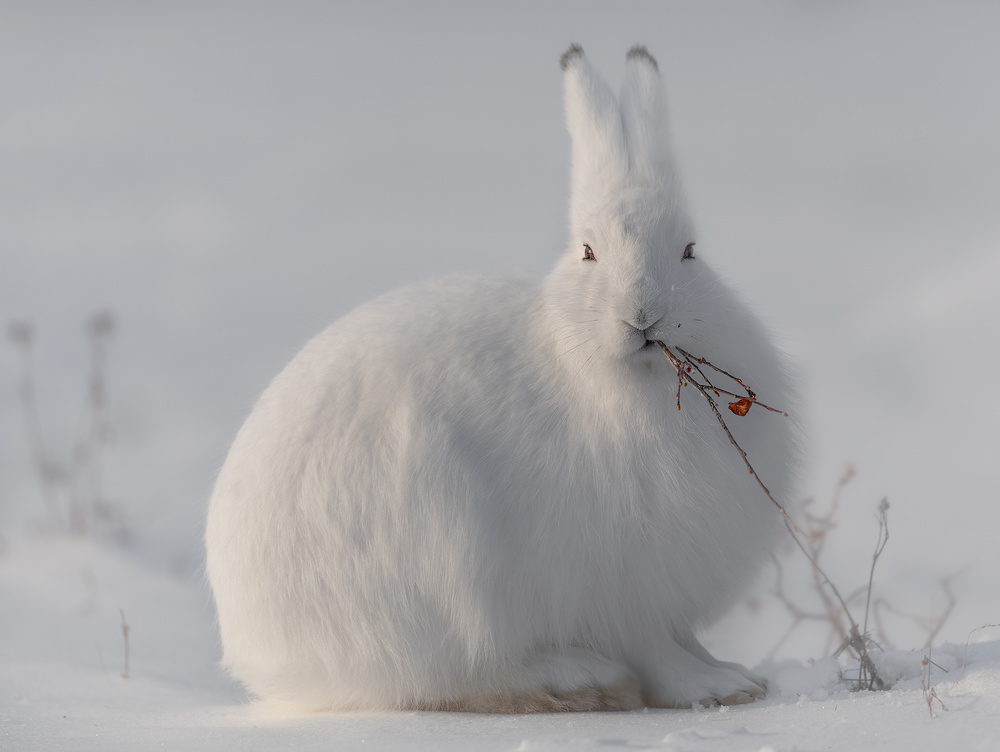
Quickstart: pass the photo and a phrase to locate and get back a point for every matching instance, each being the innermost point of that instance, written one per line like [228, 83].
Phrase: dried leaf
[741, 406]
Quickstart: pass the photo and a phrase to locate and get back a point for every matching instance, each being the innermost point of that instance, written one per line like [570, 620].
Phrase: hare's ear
[600, 157]
[644, 114]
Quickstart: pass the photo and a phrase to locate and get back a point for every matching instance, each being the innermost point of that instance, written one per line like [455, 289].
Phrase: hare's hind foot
[679, 675]
[737, 698]
[625, 696]
[722, 690]
[572, 680]
[708, 686]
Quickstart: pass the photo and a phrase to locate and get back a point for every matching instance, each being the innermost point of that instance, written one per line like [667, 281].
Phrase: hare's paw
[708, 687]
[573, 680]
[582, 680]
[756, 679]
[698, 651]
[681, 679]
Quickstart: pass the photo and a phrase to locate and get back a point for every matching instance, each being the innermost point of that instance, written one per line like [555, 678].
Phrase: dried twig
[930, 693]
[48, 472]
[883, 538]
[931, 624]
[90, 448]
[966, 653]
[687, 365]
[867, 676]
[125, 631]
[684, 369]
[73, 492]
[684, 376]
[800, 615]
[817, 527]
[695, 362]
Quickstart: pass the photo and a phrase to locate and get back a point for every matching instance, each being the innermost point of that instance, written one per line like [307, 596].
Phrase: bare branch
[125, 631]
[883, 538]
[687, 366]
[930, 693]
[73, 492]
[966, 653]
[685, 375]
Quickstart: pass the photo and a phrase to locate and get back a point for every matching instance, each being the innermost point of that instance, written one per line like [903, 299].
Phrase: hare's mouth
[643, 330]
[641, 339]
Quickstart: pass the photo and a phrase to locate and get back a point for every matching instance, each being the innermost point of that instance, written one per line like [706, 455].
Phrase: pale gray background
[229, 177]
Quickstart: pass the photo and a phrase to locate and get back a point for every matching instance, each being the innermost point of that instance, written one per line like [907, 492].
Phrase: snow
[62, 685]
[227, 178]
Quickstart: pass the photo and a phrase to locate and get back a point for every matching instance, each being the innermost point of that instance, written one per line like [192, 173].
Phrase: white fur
[480, 487]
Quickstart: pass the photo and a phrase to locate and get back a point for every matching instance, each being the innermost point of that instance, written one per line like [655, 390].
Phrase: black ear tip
[639, 52]
[569, 55]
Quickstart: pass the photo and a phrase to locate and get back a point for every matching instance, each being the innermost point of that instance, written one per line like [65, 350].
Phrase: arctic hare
[477, 493]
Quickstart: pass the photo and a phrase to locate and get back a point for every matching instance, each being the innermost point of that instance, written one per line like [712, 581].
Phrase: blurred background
[190, 191]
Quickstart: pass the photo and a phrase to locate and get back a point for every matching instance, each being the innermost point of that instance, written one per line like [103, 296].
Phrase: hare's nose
[643, 320]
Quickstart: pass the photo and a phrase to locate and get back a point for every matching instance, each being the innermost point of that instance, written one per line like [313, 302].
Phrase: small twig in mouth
[685, 375]
[704, 361]
[694, 362]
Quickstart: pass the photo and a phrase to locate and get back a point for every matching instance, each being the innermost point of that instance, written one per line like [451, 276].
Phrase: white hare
[477, 493]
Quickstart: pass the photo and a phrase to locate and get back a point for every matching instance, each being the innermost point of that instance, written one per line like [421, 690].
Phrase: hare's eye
[588, 253]
[688, 252]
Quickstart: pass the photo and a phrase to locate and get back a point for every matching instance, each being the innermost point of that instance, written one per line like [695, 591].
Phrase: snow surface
[227, 178]
[62, 687]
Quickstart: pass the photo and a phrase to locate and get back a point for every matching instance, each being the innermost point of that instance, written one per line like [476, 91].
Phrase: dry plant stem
[22, 335]
[90, 451]
[883, 538]
[682, 378]
[125, 630]
[966, 653]
[789, 522]
[703, 361]
[694, 362]
[930, 693]
[821, 524]
[799, 615]
[73, 492]
[818, 527]
[855, 638]
[931, 624]
[867, 676]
